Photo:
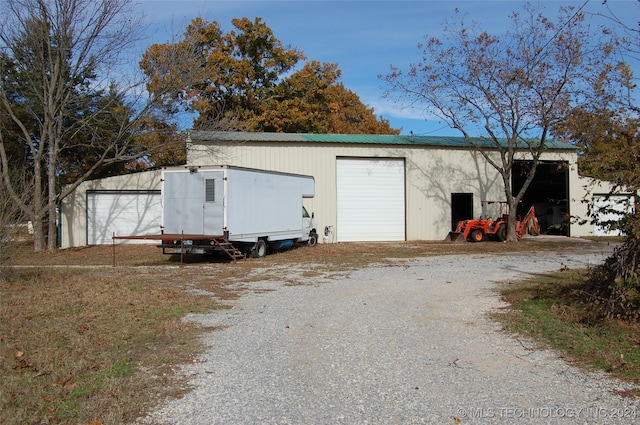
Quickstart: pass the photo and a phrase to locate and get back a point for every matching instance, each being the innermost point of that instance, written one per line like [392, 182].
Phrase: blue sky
[363, 37]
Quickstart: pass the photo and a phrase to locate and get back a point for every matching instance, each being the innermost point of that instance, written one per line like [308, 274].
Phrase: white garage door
[610, 209]
[370, 200]
[122, 213]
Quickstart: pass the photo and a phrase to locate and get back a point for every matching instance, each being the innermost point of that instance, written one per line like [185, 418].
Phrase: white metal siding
[370, 200]
[122, 213]
[612, 204]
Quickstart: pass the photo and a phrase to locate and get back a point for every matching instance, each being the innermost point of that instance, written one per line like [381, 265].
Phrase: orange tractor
[479, 230]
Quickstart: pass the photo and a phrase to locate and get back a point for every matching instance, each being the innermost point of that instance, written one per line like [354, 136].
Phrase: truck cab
[309, 226]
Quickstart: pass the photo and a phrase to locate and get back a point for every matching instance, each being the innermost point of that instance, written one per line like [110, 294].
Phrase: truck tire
[259, 249]
[313, 239]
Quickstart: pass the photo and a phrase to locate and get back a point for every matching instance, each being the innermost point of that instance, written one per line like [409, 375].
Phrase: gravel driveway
[407, 344]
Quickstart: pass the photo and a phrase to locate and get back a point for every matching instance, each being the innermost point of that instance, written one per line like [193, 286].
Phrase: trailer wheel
[476, 236]
[313, 239]
[502, 233]
[259, 249]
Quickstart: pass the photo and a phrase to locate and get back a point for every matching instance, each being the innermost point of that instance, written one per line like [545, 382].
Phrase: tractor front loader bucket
[455, 237]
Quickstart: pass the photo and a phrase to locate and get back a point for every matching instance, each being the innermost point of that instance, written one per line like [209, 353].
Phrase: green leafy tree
[246, 80]
[507, 90]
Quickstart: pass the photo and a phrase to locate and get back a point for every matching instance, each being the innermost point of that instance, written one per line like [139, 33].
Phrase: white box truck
[240, 211]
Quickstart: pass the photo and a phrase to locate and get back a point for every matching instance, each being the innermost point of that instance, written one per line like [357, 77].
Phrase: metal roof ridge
[396, 139]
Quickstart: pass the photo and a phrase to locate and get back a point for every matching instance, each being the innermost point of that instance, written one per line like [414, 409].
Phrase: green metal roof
[373, 139]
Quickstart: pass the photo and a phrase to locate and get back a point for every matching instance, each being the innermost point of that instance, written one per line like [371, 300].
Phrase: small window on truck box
[210, 190]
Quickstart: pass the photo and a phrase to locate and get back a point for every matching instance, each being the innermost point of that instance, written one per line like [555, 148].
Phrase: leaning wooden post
[113, 243]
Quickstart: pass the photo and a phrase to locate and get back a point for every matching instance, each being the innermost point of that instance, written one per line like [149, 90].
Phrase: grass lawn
[551, 310]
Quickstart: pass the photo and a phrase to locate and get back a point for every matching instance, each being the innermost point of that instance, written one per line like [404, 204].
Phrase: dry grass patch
[90, 346]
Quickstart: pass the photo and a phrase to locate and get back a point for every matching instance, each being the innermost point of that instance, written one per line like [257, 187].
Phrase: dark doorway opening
[548, 193]
[461, 208]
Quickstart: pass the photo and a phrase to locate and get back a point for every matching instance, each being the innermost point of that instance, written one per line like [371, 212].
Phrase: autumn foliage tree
[507, 90]
[246, 79]
[610, 138]
[606, 127]
[313, 100]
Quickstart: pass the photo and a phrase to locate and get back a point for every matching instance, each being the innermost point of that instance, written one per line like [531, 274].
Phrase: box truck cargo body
[251, 209]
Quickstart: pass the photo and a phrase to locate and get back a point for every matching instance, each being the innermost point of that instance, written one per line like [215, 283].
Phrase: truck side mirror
[313, 215]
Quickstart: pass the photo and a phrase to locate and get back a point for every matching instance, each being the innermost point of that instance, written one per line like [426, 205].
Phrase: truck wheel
[313, 239]
[502, 233]
[259, 249]
[476, 236]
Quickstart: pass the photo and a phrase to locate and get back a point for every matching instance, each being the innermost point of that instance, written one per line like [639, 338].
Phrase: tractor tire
[502, 233]
[476, 236]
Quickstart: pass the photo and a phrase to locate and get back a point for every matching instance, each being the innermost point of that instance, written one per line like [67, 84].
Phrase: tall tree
[246, 80]
[606, 126]
[60, 105]
[313, 100]
[233, 71]
[509, 89]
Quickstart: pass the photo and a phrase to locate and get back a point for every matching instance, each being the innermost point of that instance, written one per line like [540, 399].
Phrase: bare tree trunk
[54, 143]
[38, 234]
[38, 202]
[52, 226]
[511, 226]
